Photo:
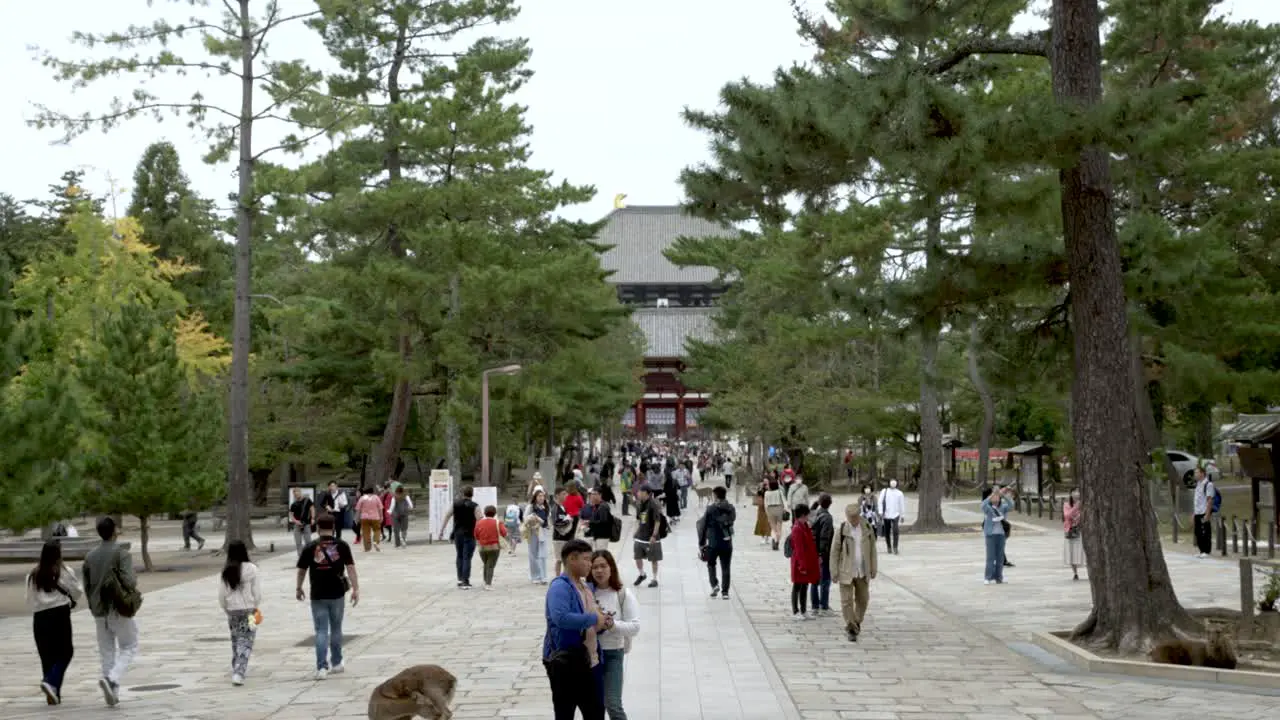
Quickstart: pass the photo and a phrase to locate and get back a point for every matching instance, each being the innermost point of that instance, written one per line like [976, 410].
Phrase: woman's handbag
[1073, 532]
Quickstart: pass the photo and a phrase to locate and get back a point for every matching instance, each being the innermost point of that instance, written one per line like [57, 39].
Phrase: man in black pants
[715, 533]
[568, 660]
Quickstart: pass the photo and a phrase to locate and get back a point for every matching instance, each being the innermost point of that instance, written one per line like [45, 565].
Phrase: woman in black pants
[52, 589]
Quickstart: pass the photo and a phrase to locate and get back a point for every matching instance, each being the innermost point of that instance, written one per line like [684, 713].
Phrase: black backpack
[615, 528]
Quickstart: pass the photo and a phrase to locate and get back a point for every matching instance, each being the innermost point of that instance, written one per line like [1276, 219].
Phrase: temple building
[671, 305]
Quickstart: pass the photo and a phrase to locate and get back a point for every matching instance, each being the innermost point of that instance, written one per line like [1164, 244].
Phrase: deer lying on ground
[423, 691]
[1218, 650]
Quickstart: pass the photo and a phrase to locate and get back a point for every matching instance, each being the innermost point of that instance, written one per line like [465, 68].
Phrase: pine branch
[1034, 44]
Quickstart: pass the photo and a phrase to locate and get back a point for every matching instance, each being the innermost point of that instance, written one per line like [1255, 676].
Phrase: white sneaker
[338, 669]
[237, 679]
[797, 617]
[322, 674]
[986, 582]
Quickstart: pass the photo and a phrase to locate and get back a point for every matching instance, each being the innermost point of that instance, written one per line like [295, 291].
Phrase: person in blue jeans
[331, 568]
[571, 648]
[994, 509]
[823, 533]
[464, 514]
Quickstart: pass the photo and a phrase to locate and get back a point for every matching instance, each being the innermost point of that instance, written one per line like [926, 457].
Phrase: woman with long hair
[616, 601]
[775, 507]
[762, 529]
[52, 589]
[537, 520]
[1073, 550]
[240, 595]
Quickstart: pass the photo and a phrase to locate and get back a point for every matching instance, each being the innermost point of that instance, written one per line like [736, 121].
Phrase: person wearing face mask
[852, 560]
[893, 505]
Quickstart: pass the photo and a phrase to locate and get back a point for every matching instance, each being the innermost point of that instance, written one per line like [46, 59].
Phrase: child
[513, 518]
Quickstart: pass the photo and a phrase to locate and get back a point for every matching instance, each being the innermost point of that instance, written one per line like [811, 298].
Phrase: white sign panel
[485, 496]
[440, 502]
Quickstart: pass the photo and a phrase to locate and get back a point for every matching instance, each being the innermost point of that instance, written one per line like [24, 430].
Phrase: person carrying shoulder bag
[112, 593]
[52, 589]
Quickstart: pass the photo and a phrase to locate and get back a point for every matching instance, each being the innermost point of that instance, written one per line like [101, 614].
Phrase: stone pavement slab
[937, 644]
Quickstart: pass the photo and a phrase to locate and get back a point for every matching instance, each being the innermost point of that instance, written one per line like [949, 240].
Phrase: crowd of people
[592, 615]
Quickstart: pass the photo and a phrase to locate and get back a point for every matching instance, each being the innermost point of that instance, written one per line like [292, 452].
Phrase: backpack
[513, 514]
[615, 528]
[1217, 499]
[125, 601]
[664, 526]
[786, 547]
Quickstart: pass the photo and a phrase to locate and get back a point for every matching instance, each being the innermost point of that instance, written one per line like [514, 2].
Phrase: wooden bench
[256, 513]
[29, 550]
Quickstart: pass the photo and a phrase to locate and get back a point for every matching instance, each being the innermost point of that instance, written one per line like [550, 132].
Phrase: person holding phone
[994, 509]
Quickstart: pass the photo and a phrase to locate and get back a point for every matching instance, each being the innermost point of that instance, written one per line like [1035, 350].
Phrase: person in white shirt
[616, 601]
[1203, 509]
[893, 505]
[52, 589]
[853, 566]
[240, 595]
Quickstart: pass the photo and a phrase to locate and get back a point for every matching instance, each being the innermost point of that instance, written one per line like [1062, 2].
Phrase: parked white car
[1186, 464]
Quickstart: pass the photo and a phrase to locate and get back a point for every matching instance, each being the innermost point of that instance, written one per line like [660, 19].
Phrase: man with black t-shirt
[647, 544]
[302, 519]
[332, 570]
[463, 515]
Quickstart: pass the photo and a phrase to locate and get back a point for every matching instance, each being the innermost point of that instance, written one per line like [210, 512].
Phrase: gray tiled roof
[666, 329]
[638, 236]
[1252, 428]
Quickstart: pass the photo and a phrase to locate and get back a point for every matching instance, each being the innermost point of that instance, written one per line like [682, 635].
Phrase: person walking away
[240, 596]
[111, 590]
[683, 480]
[715, 533]
[853, 567]
[647, 543]
[537, 523]
[1073, 547]
[823, 533]
[994, 510]
[401, 506]
[1205, 503]
[671, 494]
[330, 568]
[52, 589]
[335, 502]
[512, 517]
[189, 522]
[805, 570]
[626, 483]
[600, 527]
[369, 511]
[761, 529]
[302, 519]
[570, 648]
[489, 533]
[893, 505]
[564, 525]
[774, 509]
[798, 494]
[464, 515]
[726, 469]
[614, 601]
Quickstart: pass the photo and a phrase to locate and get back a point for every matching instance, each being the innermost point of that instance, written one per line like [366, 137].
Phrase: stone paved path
[938, 645]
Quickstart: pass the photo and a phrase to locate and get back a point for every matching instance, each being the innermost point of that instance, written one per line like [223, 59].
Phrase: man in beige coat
[853, 566]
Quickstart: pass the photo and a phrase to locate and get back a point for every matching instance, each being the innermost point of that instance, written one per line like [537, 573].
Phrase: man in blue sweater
[570, 663]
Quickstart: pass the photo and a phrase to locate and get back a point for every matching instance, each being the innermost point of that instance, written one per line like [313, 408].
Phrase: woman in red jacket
[805, 570]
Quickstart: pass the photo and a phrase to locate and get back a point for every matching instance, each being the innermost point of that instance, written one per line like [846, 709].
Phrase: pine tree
[156, 440]
[430, 208]
[182, 226]
[40, 467]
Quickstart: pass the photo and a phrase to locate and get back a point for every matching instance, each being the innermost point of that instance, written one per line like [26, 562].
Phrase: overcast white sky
[611, 79]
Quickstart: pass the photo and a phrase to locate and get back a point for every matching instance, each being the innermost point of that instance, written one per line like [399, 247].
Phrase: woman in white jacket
[52, 589]
[614, 599]
[240, 594]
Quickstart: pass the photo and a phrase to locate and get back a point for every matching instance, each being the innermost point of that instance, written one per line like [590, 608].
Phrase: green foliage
[182, 226]
[156, 440]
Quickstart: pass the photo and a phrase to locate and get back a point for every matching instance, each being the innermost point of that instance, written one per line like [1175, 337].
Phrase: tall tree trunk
[387, 455]
[1133, 599]
[1200, 418]
[452, 431]
[239, 489]
[932, 483]
[144, 536]
[988, 406]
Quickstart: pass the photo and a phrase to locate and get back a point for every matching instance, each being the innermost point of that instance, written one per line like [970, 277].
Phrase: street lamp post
[484, 416]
